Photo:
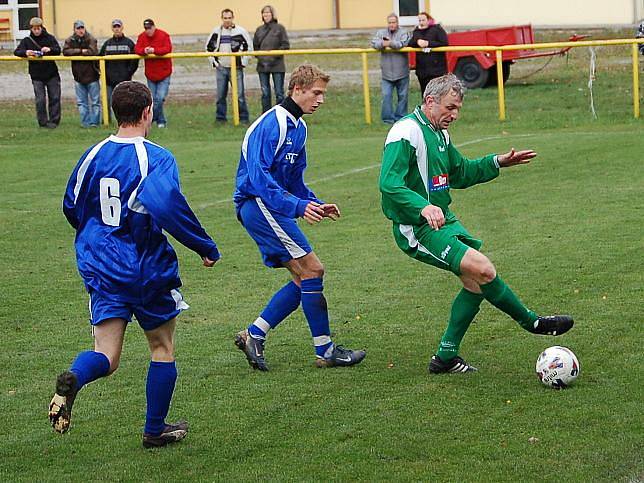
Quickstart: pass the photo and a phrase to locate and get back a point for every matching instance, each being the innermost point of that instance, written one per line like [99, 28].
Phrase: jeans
[223, 79]
[402, 89]
[159, 93]
[88, 100]
[43, 90]
[278, 85]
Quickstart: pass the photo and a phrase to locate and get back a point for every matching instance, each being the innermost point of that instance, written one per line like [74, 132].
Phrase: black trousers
[44, 91]
[424, 79]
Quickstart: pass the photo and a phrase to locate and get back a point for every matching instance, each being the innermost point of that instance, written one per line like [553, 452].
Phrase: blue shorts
[278, 237]
[154, 314]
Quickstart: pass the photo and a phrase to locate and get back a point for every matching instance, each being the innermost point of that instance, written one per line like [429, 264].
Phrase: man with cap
[44, 75]
[155, 42]
[118, 70]
[88, 89]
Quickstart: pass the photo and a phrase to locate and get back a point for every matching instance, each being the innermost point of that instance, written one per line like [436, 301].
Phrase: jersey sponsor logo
[291, 157]
[439, 183]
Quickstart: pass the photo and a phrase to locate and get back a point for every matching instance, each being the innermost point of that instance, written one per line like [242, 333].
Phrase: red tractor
[478, 69]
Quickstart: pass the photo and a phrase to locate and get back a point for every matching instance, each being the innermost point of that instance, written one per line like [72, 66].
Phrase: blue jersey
[272, 164]
[121, 195]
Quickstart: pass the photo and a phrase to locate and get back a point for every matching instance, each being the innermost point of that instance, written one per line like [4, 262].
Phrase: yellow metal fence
[363, 53]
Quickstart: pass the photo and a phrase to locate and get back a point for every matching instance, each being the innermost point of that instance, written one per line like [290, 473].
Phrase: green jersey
[420, 165]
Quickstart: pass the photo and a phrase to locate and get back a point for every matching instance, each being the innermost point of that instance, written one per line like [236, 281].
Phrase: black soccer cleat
[171, 434]
[341, 357]
[437, 366]
[553, 325]
[253, 348]
[60, 407]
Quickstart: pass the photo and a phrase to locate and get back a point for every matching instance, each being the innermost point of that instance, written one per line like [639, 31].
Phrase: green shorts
[444, 248]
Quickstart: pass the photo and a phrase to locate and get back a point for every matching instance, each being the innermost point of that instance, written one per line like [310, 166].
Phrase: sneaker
[341, 357]
[253, 348]
[553, 325]
[161, 125]
[437, 366]
[171, 434]
[60, 407]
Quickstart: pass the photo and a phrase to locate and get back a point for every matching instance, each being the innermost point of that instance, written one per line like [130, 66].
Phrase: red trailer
[478, 69]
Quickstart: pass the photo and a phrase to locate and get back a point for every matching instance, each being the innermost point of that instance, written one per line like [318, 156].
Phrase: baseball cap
[148, 22]
[35, 22]
[117, 21]
[78, 24]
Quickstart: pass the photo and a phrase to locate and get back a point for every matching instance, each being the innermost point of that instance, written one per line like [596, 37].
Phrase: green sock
[503, 298]
[464, 309]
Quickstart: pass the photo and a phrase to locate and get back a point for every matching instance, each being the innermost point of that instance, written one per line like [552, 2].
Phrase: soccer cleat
[60, 407]
[437, 366]
[341, 357]
[553, 325]
[253, 348]
[171, 434]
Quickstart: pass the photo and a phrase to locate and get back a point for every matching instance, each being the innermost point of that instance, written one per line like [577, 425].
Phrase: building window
[408, 10]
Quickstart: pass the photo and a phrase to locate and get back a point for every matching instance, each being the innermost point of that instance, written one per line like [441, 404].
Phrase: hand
[386, 43]
[331, 211]
[313, 213]
[31, 53]
[45, 50]
[513, 157]
[434, 216]
[422, 43]
[207, 262]
[149, 50]
[84, 51]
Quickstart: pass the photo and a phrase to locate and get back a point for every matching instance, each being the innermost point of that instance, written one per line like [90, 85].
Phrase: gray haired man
[394, 67]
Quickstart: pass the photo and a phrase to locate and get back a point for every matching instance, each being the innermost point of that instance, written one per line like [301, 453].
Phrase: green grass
[564, 232]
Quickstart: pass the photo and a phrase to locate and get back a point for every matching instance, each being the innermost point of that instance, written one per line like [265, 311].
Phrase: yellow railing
[363, 53]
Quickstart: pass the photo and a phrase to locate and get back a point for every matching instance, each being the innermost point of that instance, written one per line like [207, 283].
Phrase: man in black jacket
[118, 71]
[88, 89]
[44, 74]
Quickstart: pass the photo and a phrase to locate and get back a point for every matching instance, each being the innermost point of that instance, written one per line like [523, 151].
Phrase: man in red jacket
[152, 42]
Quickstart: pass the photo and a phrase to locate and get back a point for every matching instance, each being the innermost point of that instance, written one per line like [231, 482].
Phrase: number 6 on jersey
[110, 202]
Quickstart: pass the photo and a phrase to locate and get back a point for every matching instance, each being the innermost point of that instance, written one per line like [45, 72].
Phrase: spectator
[271, 36]
[154, 41]
[394, 67]
[226, 38]
[88, 89]
[428, 35]
[44, 75]
[640, 34]
[120, 70]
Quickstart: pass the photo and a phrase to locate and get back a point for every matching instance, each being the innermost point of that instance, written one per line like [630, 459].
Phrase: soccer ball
[557, 367]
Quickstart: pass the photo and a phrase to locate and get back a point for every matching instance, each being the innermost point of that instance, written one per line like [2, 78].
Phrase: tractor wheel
[491, 82]
[471, 73]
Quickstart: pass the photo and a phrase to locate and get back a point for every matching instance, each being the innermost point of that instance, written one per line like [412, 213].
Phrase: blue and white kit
[121, 195]
[270, 190]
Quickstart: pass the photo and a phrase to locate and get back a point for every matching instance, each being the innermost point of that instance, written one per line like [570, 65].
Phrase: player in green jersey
[419, 166]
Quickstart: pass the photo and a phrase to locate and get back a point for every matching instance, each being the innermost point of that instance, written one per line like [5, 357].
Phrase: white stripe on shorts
[293, 248]
[178, 300]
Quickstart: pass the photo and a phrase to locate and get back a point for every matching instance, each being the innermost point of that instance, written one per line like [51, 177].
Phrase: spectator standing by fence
[118, 70]
[394, 67]
[44, 75]
[271, 35]
[227, 38]
[86, 74]
[428, 35]
[154, 41]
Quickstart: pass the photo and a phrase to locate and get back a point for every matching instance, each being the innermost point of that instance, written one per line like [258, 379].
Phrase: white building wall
[537, 12]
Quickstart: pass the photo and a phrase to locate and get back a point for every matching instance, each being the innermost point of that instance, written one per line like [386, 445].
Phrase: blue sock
[89, 366]
[159, 389]
[283, 303]
[317, 315]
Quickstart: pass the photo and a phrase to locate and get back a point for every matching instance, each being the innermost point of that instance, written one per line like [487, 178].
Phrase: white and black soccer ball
[557, 367]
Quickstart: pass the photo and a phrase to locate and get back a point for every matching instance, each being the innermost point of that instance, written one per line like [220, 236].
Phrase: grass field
[565, 232]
